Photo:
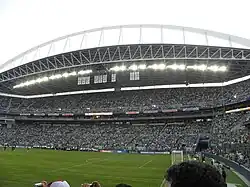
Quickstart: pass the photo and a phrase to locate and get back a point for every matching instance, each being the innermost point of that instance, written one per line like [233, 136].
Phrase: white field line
[77, 165]
[163, 183]
[145, 163]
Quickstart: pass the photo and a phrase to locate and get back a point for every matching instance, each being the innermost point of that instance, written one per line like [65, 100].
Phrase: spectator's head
[93, 184]
[194, 174]
[56, 184]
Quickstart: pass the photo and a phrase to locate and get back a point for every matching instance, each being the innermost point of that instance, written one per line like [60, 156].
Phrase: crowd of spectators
[231, 139]
[227, 135]
[132, 137]
[133, 100]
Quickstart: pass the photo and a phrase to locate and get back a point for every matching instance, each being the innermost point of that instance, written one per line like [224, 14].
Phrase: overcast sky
[27, 23]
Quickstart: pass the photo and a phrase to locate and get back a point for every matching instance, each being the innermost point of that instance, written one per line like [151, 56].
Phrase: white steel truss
[128, 53]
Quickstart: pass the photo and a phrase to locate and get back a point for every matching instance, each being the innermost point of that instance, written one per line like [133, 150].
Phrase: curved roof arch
[123, 35]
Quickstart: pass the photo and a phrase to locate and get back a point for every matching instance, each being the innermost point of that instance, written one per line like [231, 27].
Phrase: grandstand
[123, 88]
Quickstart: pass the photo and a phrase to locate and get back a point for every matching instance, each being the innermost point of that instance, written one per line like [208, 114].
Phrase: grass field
[23, 169]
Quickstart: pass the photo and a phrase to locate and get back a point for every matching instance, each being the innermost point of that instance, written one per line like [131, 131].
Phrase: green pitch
[23, 169]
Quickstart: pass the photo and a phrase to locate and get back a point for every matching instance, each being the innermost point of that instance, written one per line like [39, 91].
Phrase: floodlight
[31, 82]
[122, 68]
[173, 66]
[72, 73]
[88, 71]
[21, 85]
[45, 78]
[182, 67]
[142, 66]
[27, 83]
[56, 76]
[65, 74]
[116, 68]
[154, 66]
[157, 66]
[133, 67]
[52, 77]
[161, 66]
[223, 68]
[202, 67]
[38, 80]
[83, 72]
[213, 68]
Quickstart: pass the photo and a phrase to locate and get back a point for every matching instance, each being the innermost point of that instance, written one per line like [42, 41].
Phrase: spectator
[56, 184]
[224, 174]
[194, 174]
[93, 184]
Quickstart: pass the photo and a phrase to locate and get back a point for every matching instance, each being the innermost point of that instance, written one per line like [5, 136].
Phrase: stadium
[157, 93]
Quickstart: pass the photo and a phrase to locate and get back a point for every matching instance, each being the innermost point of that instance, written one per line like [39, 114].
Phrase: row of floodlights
[201, 67]
[134, 67]
[52, 77]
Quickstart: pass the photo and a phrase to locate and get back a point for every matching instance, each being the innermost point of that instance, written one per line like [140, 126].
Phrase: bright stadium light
[201, 67]
[21, 85]
[116, 68]
[204, 67]
[142, 66]
[30, 82]
[39, 80]
[173, 66]
[223, 68]
[52, 77]
[157, 66]
[133, 67]
[73, 73]
[213, 68]
[65, 74]
[123, 68]
[182, 67]
[161, 66]
[83, 72]
[154, 66]
[56, 76]
[43, 79]
[177, 66]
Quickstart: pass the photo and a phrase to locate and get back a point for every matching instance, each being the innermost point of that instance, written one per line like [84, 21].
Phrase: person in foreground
[193, 174]
[66, 184]
[55, 184]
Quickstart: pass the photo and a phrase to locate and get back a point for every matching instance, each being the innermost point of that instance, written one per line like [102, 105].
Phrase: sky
[27, 23]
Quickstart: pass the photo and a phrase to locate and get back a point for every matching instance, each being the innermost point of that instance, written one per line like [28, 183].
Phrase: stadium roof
[124, 35]
[187, 55]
